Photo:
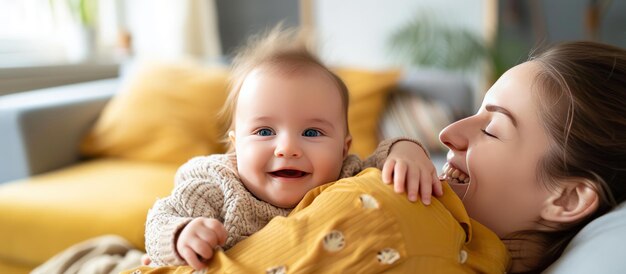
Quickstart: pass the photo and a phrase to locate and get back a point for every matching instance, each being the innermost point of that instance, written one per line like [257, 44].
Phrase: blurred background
[83, 160]
[54, 42]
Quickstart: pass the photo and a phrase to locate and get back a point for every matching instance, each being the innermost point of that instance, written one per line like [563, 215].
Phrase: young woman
[547, 149]
[544, 155]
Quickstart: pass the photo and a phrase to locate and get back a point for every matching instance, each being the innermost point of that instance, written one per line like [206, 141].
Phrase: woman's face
[499, 149]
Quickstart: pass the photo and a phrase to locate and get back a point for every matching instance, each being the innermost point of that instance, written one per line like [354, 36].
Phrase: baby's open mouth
[289, 173]
[454, 175]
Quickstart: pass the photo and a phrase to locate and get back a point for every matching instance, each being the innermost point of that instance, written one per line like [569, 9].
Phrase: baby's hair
[281, 50]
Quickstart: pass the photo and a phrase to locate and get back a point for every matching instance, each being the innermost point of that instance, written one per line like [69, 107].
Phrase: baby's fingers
[426, 187]
[437, 187]
[388, 170]
[191, 258]
[399, 177]
[213, 233]
[413, 185]
[145, 259]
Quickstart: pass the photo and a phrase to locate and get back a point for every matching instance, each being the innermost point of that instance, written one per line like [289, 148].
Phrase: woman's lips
[454, 175]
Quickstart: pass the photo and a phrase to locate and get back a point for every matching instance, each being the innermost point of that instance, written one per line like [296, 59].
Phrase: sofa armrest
[41, 129]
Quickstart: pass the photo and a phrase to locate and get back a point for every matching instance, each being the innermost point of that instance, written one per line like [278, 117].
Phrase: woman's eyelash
[489, 134]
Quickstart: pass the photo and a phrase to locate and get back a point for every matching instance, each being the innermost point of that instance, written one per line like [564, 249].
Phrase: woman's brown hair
[581, 91]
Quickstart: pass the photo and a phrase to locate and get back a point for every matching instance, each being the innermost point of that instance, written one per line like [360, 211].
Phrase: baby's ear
[346, 145]
[573, 201]
[231, 137]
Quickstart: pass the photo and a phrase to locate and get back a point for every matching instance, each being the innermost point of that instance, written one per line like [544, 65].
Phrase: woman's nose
[287, 148]
[454, 136]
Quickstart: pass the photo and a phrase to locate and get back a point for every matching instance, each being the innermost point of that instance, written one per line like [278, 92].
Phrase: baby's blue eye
[311, 133]
[264, 132]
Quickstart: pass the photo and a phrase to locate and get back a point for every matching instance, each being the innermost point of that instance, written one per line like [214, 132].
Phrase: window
[29, 33]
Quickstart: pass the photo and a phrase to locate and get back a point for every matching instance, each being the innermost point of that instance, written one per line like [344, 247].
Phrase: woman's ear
[346, 145]
[572, 202]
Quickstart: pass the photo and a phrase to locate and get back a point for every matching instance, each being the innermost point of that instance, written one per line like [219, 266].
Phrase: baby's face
[290, 134]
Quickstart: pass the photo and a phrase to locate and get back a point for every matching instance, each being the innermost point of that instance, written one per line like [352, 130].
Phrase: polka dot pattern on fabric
[281, 269]
[334, 241]
[462, 256]
[367, 201]
[388, 256]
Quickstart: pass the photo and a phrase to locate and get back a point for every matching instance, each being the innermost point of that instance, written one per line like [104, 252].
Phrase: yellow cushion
[48, 213]
[12, 268]
[368, 96]
[166, 113]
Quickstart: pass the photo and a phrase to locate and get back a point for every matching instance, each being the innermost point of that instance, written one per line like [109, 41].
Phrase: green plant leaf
[84, 11]
[425, 42]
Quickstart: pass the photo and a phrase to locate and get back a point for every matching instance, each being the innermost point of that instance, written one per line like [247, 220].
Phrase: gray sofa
[41, 129]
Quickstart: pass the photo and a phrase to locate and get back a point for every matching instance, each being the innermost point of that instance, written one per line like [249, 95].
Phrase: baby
[288, 130]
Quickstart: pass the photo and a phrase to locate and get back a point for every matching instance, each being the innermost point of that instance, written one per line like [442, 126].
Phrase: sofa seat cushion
[8, 268]
[45, 214]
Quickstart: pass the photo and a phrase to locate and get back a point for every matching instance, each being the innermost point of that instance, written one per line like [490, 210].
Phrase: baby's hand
[198, 240]
[408, 166]
[145, 259]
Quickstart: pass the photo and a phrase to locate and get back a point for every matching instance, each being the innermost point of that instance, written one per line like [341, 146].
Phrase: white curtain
[171, 28]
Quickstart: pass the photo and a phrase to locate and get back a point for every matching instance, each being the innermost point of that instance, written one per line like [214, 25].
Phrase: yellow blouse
[359, 225]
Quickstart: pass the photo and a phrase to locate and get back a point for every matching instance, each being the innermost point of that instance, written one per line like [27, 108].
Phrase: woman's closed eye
[311, 132]
[264, 132]
[489, 134]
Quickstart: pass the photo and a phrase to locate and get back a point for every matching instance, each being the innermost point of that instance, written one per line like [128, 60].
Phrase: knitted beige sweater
[210, 187]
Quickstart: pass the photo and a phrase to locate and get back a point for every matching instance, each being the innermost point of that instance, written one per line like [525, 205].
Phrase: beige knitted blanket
[101, 255]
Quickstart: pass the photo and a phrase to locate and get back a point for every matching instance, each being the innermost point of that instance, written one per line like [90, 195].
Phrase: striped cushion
[411, 115]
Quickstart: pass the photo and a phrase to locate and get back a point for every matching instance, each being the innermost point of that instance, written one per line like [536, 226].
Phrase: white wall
[356, 32]
[172, 29]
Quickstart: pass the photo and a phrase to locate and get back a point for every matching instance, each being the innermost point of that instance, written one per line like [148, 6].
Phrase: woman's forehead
[514, 82]
[514, 93]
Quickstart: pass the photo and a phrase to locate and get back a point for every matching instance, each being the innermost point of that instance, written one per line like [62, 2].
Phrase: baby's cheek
[332, 169]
